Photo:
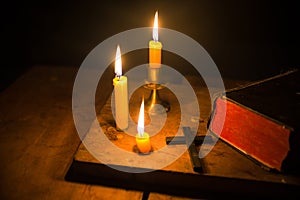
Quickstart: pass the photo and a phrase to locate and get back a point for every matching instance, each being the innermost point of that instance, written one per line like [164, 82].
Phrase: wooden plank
[158, 196]
[179, 184]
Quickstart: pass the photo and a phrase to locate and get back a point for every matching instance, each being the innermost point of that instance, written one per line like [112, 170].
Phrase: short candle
[142, 138]
[143, 143]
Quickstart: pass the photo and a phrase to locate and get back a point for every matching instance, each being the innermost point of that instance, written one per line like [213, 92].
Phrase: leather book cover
[262, 121]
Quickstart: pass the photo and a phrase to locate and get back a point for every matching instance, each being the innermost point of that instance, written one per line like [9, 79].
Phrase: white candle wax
[121, 94]
[121, 102]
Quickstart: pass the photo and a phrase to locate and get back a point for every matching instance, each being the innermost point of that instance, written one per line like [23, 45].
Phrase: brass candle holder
[154, 104]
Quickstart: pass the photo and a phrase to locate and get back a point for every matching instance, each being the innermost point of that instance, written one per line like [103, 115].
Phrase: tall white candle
[121, 94]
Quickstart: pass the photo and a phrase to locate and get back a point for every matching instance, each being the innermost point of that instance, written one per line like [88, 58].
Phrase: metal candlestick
[154, 104]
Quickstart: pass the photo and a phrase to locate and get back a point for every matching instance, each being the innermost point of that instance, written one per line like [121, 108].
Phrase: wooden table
[39, 139]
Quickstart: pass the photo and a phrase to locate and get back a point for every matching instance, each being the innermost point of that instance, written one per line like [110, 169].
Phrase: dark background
[246, 39]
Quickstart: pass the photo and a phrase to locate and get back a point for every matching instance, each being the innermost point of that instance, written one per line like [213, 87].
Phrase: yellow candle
[155, 53]
[155, 46]
[143, 143]
[121, 94]
[142, 138]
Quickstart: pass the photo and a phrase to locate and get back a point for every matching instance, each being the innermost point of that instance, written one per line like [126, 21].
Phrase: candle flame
[118, 63]
[140, 127]
[155, 28]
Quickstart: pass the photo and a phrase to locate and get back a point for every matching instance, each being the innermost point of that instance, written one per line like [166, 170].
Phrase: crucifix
[188, 139]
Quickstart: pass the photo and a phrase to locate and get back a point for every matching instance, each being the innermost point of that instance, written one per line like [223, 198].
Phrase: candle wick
[118, 76]
[140, 134]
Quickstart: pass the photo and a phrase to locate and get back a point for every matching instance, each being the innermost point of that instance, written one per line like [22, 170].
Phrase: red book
[262, 121]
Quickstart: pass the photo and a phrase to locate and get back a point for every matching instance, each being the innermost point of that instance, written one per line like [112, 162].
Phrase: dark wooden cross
[188, 139]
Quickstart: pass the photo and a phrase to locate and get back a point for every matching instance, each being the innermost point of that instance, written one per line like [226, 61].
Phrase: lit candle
[154, 52]
[121, 94]
[142, 138]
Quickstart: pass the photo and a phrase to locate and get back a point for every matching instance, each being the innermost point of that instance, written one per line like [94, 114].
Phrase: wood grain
[38, 139]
